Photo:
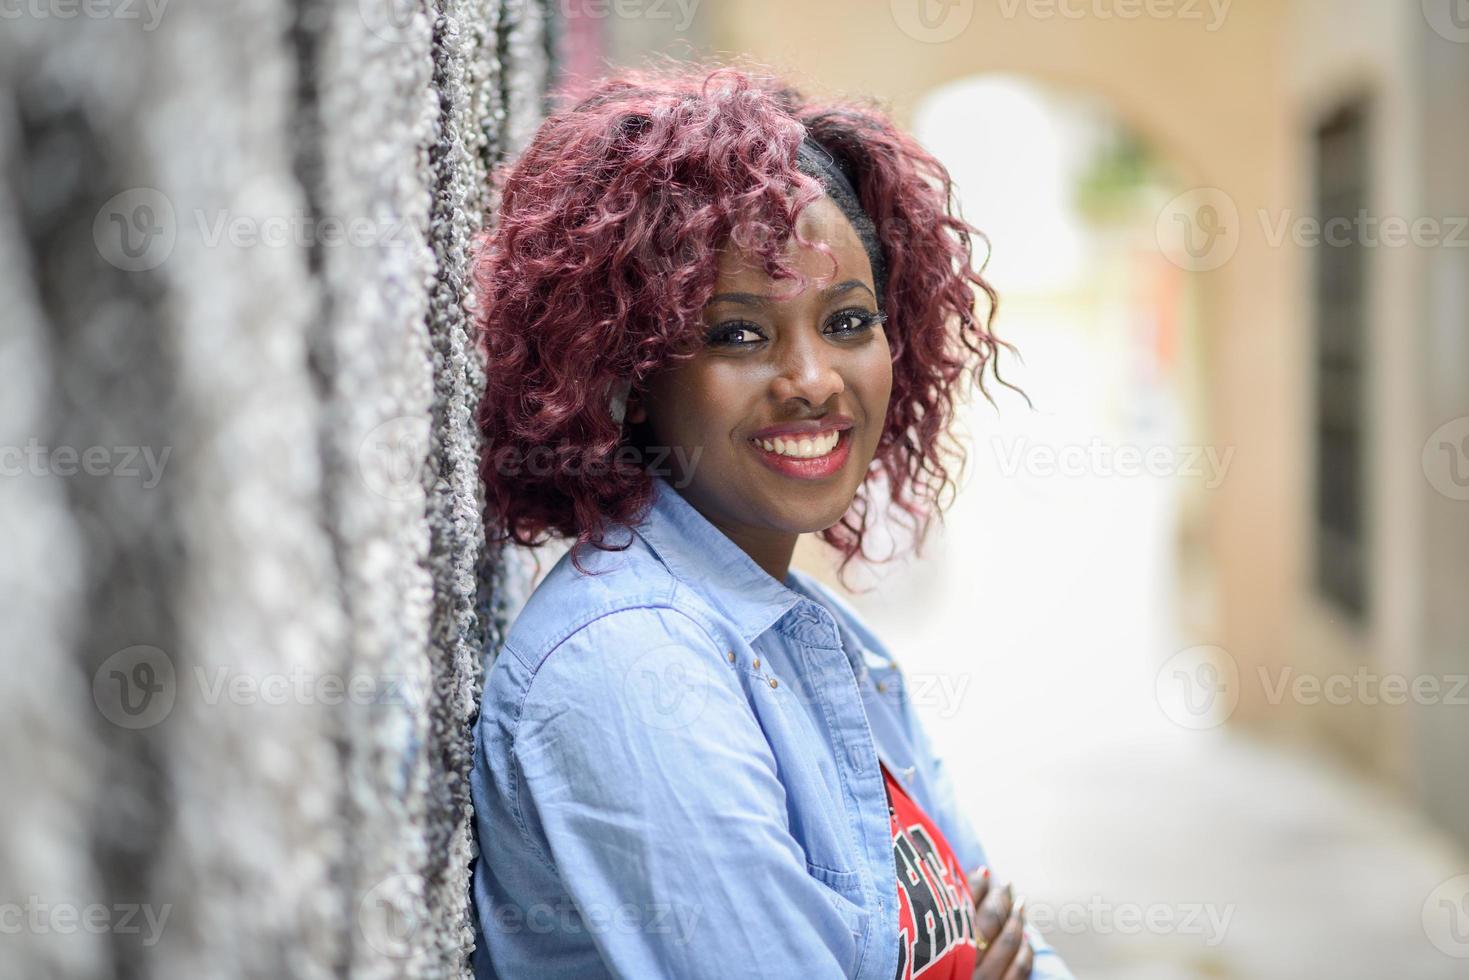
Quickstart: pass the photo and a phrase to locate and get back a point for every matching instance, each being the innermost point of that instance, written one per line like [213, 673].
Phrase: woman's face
[772, 425]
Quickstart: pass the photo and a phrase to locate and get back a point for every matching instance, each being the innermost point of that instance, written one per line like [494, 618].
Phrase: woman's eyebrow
[755, 299]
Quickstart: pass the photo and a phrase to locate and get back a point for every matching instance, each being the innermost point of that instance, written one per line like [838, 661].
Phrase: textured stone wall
[243, 592]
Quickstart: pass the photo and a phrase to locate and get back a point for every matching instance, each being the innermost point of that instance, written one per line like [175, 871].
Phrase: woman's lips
[818, 468]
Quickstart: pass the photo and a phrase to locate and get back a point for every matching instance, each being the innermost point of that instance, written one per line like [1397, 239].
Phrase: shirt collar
[705, 559]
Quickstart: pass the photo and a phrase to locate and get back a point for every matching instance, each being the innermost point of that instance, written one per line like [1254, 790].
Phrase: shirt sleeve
[959, 831]
[645, 781]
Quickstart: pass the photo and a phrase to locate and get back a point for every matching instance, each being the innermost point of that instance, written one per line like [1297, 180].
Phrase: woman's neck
[770, 549]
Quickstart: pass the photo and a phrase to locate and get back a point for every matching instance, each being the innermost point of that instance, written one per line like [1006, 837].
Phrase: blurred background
[1194, 636]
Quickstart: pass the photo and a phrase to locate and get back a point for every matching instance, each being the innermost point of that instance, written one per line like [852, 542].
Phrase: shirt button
[774, 682]
[882, 686]
[756, 664]
[731, 656]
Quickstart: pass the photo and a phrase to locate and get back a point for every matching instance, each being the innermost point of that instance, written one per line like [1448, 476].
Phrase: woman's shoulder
[586, 650]
[630, 594]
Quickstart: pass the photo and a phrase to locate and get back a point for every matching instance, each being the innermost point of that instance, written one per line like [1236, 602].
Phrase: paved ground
[1033, 637]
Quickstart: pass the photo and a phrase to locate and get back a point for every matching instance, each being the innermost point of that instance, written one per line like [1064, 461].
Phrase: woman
[718, 315]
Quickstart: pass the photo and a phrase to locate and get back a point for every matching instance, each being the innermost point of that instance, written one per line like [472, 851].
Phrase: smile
[812, 457]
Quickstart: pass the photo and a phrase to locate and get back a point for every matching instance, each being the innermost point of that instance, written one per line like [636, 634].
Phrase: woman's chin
[810, 516]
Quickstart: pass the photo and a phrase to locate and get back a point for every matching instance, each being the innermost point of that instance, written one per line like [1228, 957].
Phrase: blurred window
[1341, 178]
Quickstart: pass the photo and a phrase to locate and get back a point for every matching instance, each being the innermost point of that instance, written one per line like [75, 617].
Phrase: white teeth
[804, 448]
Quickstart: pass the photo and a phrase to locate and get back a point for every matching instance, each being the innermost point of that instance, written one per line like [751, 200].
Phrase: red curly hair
[601, 253]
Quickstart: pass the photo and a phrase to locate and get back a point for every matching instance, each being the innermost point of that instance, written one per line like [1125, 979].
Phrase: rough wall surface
[243, 593]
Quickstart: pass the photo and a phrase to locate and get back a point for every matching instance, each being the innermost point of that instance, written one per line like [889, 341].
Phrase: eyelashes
[744, 333]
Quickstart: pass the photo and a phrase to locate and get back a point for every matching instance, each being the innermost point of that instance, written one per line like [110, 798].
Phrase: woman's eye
[856, 321]
[734, 335]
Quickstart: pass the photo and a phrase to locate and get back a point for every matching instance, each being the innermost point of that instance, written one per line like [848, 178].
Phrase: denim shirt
[676, 773]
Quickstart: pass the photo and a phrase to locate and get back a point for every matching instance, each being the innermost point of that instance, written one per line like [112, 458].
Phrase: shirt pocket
[819, 817]
[844, 891]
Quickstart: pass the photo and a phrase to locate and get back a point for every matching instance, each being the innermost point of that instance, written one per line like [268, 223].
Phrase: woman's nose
[808, 371]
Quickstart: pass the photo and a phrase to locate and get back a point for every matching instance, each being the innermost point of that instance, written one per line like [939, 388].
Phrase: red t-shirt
[935, 912]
